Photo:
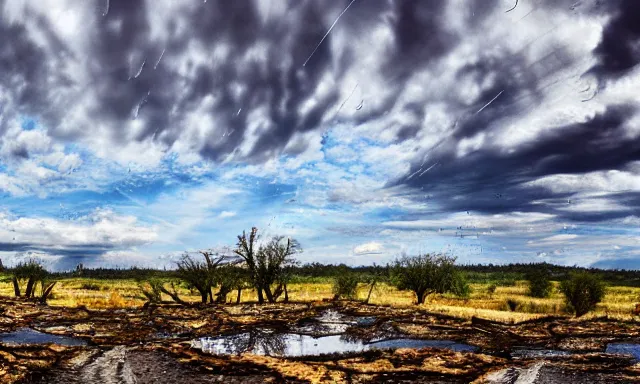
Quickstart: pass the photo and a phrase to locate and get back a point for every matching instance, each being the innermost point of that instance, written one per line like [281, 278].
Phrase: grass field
[619, 301]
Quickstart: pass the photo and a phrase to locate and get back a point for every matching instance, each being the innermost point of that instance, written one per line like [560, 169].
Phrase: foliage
[345, 285]
[34, 274]
[232, 277]
[202, 275]
[539, 282]
[491, 289]
[427, 274]
[152, 290]
[582, 291]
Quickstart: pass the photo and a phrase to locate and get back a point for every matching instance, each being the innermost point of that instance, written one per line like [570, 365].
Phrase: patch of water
[626, 349]
[331, 322]
[25, 336]
[532, 353]
[264, 342]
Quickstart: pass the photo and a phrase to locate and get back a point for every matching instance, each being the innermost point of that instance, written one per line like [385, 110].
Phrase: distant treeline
[316, 271]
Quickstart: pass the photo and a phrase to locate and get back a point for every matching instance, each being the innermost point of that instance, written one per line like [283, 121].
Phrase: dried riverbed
[280, 343]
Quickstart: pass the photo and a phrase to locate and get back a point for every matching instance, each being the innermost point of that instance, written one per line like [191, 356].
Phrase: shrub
[539, 282]
[427, 274]
[492, 289]
[33, 273]
[512, 305]
[90, 287]
[345, 285]
[582, 291]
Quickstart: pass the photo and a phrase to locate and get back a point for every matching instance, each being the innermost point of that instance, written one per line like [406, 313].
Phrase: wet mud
[158, 344]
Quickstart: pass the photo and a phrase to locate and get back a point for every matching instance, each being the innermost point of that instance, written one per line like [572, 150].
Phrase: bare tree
[246, 248]
[268, 266]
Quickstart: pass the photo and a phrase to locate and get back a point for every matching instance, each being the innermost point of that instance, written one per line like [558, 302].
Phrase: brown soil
[152, 345]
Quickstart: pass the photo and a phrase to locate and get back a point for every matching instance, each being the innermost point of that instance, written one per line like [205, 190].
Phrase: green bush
[345, 285]
[427, 274]
[582, 291]
[539, 282]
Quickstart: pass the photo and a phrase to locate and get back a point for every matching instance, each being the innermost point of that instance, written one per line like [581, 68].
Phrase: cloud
[371, 248]
[451, 118]
[226, 214]
[96, 233]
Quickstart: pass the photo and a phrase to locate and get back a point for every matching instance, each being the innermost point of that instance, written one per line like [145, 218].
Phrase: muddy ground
[154, 345]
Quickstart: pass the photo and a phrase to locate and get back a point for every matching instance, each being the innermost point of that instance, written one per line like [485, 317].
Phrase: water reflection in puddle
[533, 353]
[264, 342]
[31, 336]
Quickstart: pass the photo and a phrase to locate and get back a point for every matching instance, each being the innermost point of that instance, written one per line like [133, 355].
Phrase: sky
[493, 130]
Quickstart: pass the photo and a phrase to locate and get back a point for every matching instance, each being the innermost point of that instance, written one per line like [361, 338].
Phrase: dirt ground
[153, 345]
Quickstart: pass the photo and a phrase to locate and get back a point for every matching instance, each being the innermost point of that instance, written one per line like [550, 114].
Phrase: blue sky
[133, 132]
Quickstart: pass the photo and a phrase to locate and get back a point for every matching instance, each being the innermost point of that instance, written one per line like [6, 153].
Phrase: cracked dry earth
[154, 345]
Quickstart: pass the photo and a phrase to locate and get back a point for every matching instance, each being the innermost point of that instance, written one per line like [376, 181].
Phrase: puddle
[332, 322]
[632, 350]
[264, 342]
[533, 353]
[31, 336]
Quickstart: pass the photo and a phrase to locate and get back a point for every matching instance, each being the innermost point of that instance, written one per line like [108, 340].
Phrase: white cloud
[102, 228]
[368, 248]
[227, 214]
[606, 181]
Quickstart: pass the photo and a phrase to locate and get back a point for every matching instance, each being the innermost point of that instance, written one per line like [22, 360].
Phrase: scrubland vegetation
[259, 272]
[492, 295]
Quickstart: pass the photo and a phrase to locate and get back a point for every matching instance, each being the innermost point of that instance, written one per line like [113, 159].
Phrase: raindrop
[140, 70]
[159, 58]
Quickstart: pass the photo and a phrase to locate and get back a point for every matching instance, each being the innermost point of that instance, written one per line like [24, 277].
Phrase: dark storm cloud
[493, 182]
[619, 50]
[258, 91]
[128, 80]
[88, 250]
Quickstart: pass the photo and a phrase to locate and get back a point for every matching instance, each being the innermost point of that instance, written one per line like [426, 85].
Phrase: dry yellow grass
[618, 302]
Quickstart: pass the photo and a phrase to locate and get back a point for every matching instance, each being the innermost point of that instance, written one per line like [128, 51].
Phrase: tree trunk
[28, 291]
[267, 292]
[370, 290]
[204, 295]
[421, 295]
[16, 287]
[286, 294]
[260, 295]
[174, 295]
[46, 292]
[221, 296]
[239, 296]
